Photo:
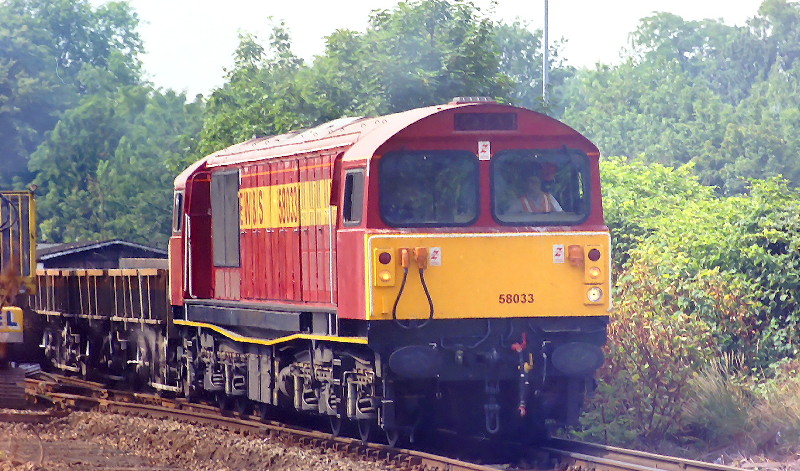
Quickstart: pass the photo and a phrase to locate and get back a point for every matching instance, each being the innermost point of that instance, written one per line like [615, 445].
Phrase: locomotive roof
[358, 137]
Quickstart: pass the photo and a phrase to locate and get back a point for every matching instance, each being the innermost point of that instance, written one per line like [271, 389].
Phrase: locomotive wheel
[83, 368]
[336, 425]
[187, 379]
[364, 429]
[392, 436]
[243, 407]
[223, 401]
[187, 388]
[264, 412]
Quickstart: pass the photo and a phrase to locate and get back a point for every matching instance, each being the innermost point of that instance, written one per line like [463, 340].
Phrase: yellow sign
[11, 319]
[11, 325]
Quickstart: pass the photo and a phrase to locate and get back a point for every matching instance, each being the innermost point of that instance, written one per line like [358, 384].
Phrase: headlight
[594, 294]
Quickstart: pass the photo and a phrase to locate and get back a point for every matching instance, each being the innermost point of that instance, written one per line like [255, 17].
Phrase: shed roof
[51, 251]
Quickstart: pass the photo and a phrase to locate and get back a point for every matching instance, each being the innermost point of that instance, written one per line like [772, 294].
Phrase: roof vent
[472, 99]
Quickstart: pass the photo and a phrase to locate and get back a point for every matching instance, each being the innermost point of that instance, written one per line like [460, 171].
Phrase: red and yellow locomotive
[368, 268]
[445, 265]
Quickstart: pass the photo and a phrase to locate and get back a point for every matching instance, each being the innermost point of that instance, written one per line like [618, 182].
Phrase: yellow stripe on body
[286, 205]
[288, 338]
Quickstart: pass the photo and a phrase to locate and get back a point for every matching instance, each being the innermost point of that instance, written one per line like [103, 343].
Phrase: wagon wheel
[364, 429]
[83, 369]
[188, 389]
[264, 412]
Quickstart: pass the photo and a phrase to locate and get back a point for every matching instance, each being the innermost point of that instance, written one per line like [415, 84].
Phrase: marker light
[384, 267]
[575, 255]
[594, 272]
[594, 294]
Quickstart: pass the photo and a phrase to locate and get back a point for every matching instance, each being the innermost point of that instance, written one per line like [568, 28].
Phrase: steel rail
[584, 455]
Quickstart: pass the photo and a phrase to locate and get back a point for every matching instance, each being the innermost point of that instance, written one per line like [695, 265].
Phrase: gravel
[95, 441]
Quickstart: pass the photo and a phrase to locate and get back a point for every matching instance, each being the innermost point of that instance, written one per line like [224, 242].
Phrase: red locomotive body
[296, 250]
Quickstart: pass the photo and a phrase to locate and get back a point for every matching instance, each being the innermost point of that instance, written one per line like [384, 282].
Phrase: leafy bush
[654, 350]
[749, 244]
[697, 276]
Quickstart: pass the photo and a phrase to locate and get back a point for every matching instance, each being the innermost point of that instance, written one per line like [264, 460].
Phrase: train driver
[533, 198]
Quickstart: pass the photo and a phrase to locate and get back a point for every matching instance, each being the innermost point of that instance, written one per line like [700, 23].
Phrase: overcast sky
[189, 42]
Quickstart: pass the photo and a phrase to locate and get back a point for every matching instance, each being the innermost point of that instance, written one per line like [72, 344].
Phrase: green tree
[424, 53]
[43, 47]
[419, 53]
[260, 98]
[721, 97]
[521, 60]
[106, 169]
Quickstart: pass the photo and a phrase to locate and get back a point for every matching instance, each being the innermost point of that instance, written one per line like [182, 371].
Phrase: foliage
[635, 193]
[715, 274]
[728, 405]
[260, 98]
[419, 53]
[106, 169]
[666, 217]
[424, 53]
[44, 45]
[654, 349]
[724, 98]
[521, 60]
[719, 408]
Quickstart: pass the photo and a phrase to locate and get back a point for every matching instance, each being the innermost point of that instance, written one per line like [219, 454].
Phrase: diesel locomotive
[446, 266]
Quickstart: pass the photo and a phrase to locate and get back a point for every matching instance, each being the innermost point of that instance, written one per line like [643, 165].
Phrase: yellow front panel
[490, 275]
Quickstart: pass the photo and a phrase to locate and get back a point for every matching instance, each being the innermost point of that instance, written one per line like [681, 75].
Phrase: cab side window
[225, 218]
[353, 209]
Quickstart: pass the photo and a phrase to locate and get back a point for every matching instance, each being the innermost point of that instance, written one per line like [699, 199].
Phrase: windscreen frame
[583, 199]
[416, 181]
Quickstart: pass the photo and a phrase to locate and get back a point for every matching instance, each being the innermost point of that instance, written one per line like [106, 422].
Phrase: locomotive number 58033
[515, 298]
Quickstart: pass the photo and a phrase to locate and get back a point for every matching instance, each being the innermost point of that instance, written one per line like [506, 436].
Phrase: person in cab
[534, 199]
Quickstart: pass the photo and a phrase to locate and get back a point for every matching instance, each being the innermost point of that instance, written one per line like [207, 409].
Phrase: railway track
[592, 456]
[563, 455]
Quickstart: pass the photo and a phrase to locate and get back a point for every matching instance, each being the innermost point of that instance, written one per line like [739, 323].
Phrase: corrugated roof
[50, 251]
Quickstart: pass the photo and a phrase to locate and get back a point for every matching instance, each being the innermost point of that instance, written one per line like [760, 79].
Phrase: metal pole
[545, 58]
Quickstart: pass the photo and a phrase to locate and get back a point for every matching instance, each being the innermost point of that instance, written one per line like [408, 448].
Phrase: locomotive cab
[474, 280]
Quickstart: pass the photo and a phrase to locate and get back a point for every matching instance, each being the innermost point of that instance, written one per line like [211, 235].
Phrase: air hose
[421, 257]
